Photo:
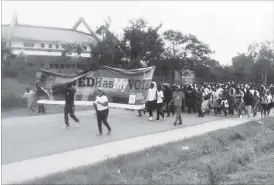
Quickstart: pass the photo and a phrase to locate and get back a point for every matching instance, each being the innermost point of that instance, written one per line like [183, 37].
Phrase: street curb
[43, 166]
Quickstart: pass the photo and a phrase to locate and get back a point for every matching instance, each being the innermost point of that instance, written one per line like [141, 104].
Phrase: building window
[42, 65]
[51, 66]
[78, 66]
[42, 45]
[50, 45]
[28, 44]
[85, 48]
[67, 66]
[62, 66]
[57, 46]
[56, 66]
[72, 65]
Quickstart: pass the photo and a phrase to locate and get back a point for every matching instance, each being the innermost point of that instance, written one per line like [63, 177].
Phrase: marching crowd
[228, 98]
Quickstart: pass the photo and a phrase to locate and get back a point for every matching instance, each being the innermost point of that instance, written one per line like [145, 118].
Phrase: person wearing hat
[69, 105]
[102, 111]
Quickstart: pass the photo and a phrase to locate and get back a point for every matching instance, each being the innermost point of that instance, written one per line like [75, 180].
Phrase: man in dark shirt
[167, 98]
[69, 105]
[248, 99]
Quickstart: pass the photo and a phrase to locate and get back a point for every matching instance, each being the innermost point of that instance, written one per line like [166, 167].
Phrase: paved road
[31, 137]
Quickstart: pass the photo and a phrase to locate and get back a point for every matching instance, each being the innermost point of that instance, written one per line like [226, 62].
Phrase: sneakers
[109, 132]
[66, 126]
[150, 119]
[78, 124]
[241, 116]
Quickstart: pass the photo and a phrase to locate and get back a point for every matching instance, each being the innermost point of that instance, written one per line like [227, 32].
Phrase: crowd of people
[229, 98]
[167, 99]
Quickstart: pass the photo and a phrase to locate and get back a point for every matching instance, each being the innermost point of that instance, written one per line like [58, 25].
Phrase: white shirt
[219, 92]
[151, 94]
[207, 91]
[102, 99]
[29, 95]
[160, 96]
[269, 98]
[252, 91]
[225, 102]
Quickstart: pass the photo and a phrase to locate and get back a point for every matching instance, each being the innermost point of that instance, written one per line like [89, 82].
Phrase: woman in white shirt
[151, 98]
[101, 108]
[160, 100]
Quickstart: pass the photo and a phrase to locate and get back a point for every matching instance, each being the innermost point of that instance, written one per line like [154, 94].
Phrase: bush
[11, 101]
[9, 73]
[12, 92]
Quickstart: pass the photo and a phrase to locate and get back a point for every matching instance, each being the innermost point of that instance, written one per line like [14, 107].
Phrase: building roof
[44, 34]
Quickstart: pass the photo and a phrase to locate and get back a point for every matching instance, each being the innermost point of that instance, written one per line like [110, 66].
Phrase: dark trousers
[167, 103]
[159, 111]
[69, 110]
[150, 107]
[41, 108]
[102, 116]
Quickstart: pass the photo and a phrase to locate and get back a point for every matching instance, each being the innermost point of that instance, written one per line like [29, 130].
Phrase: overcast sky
[227, 26]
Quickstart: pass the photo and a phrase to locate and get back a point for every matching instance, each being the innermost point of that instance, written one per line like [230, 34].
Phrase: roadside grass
[239, 155]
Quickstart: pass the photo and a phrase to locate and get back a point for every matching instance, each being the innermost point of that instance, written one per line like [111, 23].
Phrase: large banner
[124, 88]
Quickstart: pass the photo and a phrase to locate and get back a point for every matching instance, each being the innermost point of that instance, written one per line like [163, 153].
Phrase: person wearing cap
[69, 108]
[102, 111]
[177, 101]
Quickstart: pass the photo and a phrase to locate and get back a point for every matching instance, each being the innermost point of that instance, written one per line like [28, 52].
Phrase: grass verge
[239, 155]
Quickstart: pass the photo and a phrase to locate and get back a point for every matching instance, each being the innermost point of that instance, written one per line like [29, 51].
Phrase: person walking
[29, 96]
[160, 98]
[248, 99]
[41, 94]
[69, 105]
[151, 100]
[102, 111]
[177, 101]
[255, 103]
[239, 101]
[167, 98]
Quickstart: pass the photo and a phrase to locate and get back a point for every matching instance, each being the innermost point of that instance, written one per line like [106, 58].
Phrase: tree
[263, 55]
[242, 67]
[142, 42]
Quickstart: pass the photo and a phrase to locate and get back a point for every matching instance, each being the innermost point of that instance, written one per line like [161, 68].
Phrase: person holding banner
[151, 99]
[101, 108]
[69, 105]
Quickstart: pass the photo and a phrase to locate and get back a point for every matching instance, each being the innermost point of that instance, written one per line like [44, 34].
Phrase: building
[45, 47]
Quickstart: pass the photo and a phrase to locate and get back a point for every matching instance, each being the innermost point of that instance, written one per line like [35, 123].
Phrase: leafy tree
[142, 42]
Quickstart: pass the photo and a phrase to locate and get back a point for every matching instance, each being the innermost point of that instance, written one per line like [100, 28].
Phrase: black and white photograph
[137, 92]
